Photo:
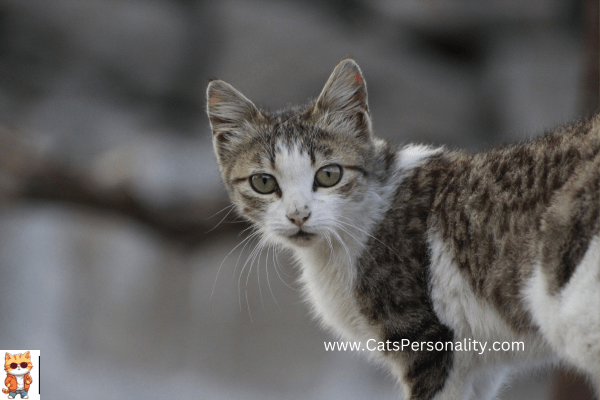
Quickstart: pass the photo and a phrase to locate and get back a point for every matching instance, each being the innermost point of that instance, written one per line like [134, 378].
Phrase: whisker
[328, 238]
[258, 274]
[250, 227]
[282, 270]
[338, 237]
[367, 233]
[228, 254]
[223, 219]
[254, 235]
[267, 272]
[242, 272]
[220, 211]
[251, 258]
[353, 237]
[357, 241]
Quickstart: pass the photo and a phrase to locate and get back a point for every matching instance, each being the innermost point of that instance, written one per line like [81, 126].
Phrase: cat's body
[425, 244]
[18, 377]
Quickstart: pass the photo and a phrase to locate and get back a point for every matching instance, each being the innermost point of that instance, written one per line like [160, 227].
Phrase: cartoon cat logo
[18, 379]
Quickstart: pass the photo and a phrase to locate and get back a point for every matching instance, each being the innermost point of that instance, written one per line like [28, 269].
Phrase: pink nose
[298, 219]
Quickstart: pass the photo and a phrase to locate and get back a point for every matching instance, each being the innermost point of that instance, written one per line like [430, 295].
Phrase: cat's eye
[263, 183]
[15, 365]
[328, 176]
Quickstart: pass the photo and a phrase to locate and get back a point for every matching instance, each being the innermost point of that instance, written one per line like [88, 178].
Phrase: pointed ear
[227, 108]
[229, 113]
[27, 355]
[345, 93]
[7, 356]
[345, 89]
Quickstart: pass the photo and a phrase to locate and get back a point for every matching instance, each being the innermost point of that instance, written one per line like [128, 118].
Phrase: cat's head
[302, 173]
[17, 364]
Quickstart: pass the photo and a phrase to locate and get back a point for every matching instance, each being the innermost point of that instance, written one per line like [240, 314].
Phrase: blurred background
[109, 243]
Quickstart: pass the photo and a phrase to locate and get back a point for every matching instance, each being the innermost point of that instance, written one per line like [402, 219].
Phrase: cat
[18, 379]
[425, 245]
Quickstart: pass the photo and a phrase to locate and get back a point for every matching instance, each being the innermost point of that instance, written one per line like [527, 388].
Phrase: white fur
[413, 155]
[474, 375]
[570, 320]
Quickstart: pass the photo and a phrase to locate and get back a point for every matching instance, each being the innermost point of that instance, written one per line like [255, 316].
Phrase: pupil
[264, 180]
[328, 174]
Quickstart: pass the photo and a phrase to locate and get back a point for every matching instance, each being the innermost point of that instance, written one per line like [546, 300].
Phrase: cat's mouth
[302, 235]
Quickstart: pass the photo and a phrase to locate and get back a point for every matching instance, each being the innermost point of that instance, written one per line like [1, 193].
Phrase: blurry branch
[26, 175]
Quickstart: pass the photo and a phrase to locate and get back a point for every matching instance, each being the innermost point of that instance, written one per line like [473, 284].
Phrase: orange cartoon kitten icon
[18, 379]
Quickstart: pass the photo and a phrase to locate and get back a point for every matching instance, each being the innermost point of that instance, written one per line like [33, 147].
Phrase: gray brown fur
[497, 211]
[569, 224]
[393, 289]
[491, 207]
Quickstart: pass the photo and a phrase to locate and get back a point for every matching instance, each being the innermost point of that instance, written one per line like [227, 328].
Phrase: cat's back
[563, 291]
[499, 210]
[520, 226]
[572, 217]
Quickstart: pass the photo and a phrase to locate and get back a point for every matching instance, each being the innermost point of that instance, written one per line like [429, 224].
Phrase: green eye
[328, 176]
[263, 183]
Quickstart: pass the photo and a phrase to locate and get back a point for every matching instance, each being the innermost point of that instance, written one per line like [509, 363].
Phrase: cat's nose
[299, 217]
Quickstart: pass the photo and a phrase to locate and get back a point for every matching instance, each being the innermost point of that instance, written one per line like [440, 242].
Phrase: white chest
[328, 284]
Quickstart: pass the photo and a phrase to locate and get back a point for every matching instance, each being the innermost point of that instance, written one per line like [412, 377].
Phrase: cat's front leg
[422, 381]
[461, 383]
[480, 385]
[458, 386]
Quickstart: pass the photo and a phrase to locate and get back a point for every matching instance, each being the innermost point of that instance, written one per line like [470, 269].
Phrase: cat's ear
[6, 357]
[228, 110]
[345, 95]
[27, 355]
